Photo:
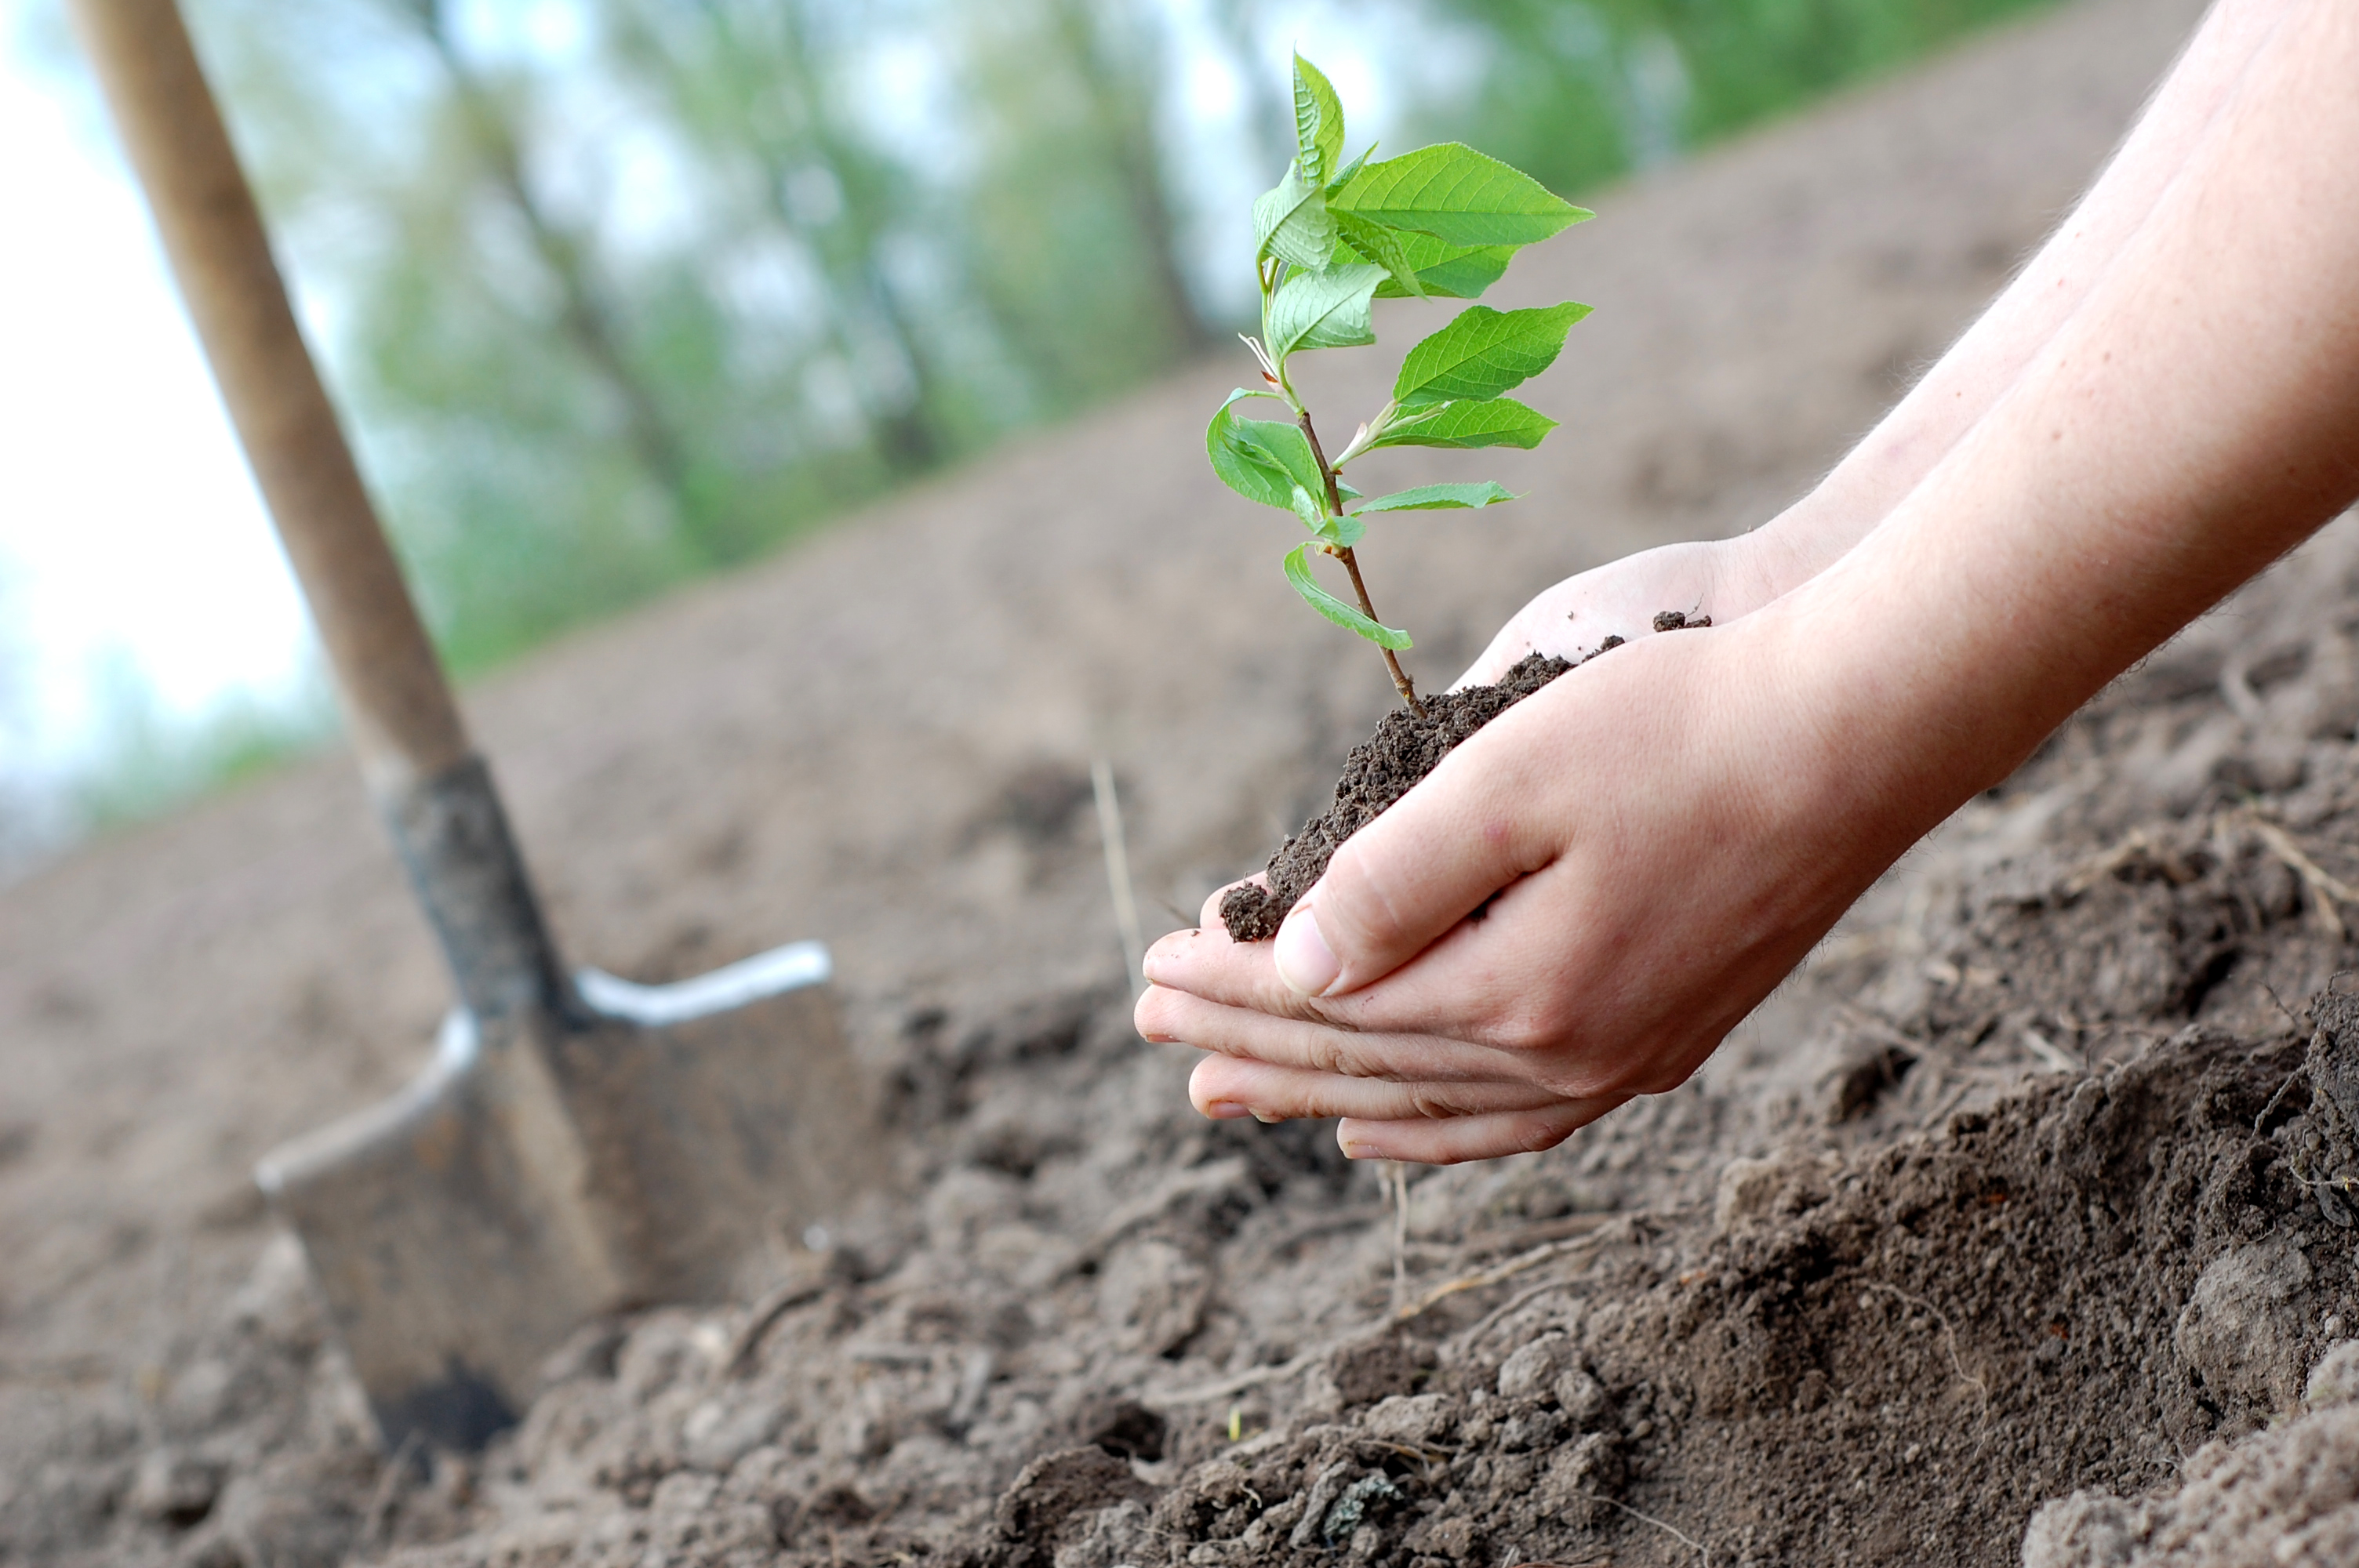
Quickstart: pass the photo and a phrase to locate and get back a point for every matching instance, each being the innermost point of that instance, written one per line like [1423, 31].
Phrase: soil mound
[2011, 1200]
[2049, 1192]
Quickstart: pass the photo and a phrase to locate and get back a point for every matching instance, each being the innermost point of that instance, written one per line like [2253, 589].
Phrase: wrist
[1797, 545]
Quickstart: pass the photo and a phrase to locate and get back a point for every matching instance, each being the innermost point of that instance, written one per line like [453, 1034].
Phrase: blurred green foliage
[1578, 93]
[621, 291]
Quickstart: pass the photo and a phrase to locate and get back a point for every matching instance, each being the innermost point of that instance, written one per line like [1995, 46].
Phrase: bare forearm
[1992, 354]
[2194, 418]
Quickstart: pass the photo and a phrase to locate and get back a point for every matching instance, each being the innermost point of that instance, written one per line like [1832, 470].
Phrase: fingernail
[1227, 1111]
[1305, 962]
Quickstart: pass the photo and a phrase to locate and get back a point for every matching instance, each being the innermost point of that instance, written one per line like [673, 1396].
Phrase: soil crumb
[1380, 770]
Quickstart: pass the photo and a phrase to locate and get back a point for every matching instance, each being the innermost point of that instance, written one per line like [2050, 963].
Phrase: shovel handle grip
[404, 722]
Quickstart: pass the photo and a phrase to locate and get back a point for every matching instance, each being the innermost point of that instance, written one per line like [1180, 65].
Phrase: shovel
[579, 1144]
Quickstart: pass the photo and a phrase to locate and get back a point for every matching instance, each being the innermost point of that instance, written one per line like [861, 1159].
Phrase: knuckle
[1156, 1010]
[1534, 1134]
[1429, 1102]
[1524, 1030]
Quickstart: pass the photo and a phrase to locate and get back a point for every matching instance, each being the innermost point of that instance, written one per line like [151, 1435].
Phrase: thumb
[1408, 877]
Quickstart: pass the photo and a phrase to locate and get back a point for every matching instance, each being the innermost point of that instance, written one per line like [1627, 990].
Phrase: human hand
[1652, 842]
[1667, 830]
[1719, 579]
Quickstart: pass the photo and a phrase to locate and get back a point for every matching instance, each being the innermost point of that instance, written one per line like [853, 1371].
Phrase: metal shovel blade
[543, 1171]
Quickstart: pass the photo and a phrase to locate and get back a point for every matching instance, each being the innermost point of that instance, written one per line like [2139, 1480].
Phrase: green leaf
[1484, 352]
[1350, 170]
[1498, 422]
[1343, 531]
[1438, 497]
[1318, 122]
[1384, 247]
[1456, 194]
[1311, 509]
[1322, 310]
[1453, 272]
[1261, 459]
[1298, 572]
[1293, 223]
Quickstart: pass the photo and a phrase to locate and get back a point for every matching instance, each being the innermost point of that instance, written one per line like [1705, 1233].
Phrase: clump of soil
[1380, 770]
[1385, 766]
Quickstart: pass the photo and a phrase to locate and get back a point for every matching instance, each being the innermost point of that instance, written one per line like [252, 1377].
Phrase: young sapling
[1331, 239]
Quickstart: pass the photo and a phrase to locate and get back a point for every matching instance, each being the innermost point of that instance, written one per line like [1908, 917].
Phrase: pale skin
[2165, 401]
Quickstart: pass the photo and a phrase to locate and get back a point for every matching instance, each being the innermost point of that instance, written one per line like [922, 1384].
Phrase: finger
[1170, 1017]
[1454, 1139]
[1461, 833]
[1207, 963]
[1209, 915]
[1493, 662]
[1228, 1086]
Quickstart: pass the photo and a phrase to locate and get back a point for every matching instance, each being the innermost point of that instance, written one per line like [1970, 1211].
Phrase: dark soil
[1380, 770]
[2017, 1211]
[2033, 1190]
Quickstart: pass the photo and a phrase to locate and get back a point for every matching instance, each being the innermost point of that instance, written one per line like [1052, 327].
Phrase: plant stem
[1400, 676]
[1342, 553]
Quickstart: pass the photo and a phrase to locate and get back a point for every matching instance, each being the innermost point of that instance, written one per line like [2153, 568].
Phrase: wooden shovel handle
[404, 723]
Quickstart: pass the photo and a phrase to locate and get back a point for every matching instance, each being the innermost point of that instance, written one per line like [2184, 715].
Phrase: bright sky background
[132, 543]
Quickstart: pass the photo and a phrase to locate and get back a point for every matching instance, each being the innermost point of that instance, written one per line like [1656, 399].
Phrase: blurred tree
[1071, 218]
[1579, 90]
[758, 85]
[1262, 74]
[642, 294]
[489, 121]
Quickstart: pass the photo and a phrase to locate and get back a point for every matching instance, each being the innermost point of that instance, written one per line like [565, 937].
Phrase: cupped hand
[1718, 579]
[1574, 908]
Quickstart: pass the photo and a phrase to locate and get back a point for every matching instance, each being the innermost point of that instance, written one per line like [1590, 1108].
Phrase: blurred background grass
[621, 292]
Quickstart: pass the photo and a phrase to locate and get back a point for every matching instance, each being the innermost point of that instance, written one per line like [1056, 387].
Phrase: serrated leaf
[1298, 572]
[1318, 122]
[1262, 460]
[1498, 422]
[1343, 176]
[1384, 247]
[1452, 272]
[1458, 195]
[1438, 497]
[1343, 531]
[1293, 223]
[1484, 353]
[1309, 508]
[1322, 310]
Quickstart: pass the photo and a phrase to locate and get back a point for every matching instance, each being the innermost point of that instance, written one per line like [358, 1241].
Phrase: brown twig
[377, 1520]
[1342, 553]
[1397, 1185]
[780, 1300]
[2326, 890]
[1949, 1334]
[1700, 1549]
[1492, 1276]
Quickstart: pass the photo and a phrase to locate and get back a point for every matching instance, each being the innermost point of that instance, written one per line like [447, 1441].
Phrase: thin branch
[1700, 1549]
[1350, 564]
[1949, 1334]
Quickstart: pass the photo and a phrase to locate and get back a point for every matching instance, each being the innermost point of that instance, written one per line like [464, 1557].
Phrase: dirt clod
[1379, 771]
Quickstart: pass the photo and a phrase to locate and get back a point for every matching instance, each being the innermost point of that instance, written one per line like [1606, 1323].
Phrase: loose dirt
[2016, 1225]
[1380, 770]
